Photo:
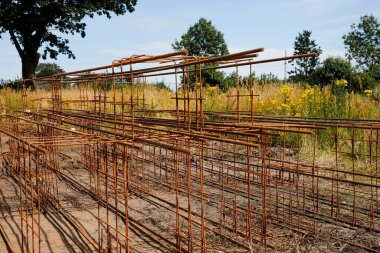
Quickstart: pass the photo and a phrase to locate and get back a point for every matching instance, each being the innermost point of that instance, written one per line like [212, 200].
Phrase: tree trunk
[29, 64]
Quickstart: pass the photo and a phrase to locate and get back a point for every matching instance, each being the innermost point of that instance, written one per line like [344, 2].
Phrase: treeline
[360, 69]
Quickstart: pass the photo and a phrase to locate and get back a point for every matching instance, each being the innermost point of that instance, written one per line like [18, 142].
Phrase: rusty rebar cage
[193, 181]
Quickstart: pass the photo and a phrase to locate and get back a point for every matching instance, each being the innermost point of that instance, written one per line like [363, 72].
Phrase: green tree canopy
[337, 68]
[331, 69]
[303, 67]
[229, 81]
[35, 24]
[363, 42]
[375, 72]
[48, 69]
[203, 39]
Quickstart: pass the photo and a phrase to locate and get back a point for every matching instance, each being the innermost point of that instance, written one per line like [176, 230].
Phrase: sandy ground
[58, 235]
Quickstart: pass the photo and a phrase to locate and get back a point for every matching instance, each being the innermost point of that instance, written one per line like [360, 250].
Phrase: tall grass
[293, 100]
[272, 99]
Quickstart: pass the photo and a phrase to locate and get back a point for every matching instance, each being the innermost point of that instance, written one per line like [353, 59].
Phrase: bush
[48, 69]
[333, 68]
[162, 86]
[375, 72]
[268, 78]
[229, 81]
[363, 81]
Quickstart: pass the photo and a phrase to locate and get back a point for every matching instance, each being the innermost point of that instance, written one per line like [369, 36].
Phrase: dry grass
[273, 99]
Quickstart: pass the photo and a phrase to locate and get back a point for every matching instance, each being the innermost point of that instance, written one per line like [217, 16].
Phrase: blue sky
[246, 24]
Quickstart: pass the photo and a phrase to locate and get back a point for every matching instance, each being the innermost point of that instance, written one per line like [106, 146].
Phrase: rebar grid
[211, 181]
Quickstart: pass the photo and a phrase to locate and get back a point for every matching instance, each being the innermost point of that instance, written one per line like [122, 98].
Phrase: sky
[246, 24]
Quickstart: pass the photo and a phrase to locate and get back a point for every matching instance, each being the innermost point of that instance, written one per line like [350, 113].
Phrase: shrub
[333, 68]
[162, 86]
[363, 81]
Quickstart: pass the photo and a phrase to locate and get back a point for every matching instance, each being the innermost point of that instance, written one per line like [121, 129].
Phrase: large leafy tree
[48, 69]
[332, 69]
[35, 24]
[303, 67]
[363, 42]
[203, 39]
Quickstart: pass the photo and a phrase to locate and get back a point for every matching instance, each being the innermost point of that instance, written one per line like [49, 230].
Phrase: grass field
[272, 99]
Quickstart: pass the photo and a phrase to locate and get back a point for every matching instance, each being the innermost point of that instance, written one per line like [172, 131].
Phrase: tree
[33, 24]
[203, 39]
[303, 67]
[363, 42]
[375, 71]
[337, 68]
[363, 81]
[48, 69]
[331, 69]
[266, 78]
[229, 81]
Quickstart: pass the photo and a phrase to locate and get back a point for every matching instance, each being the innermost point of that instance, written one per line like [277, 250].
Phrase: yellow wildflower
[342, 83]
[368, 93]
[285, 106]
[211, 89]
[286, 90]
[307, 93]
